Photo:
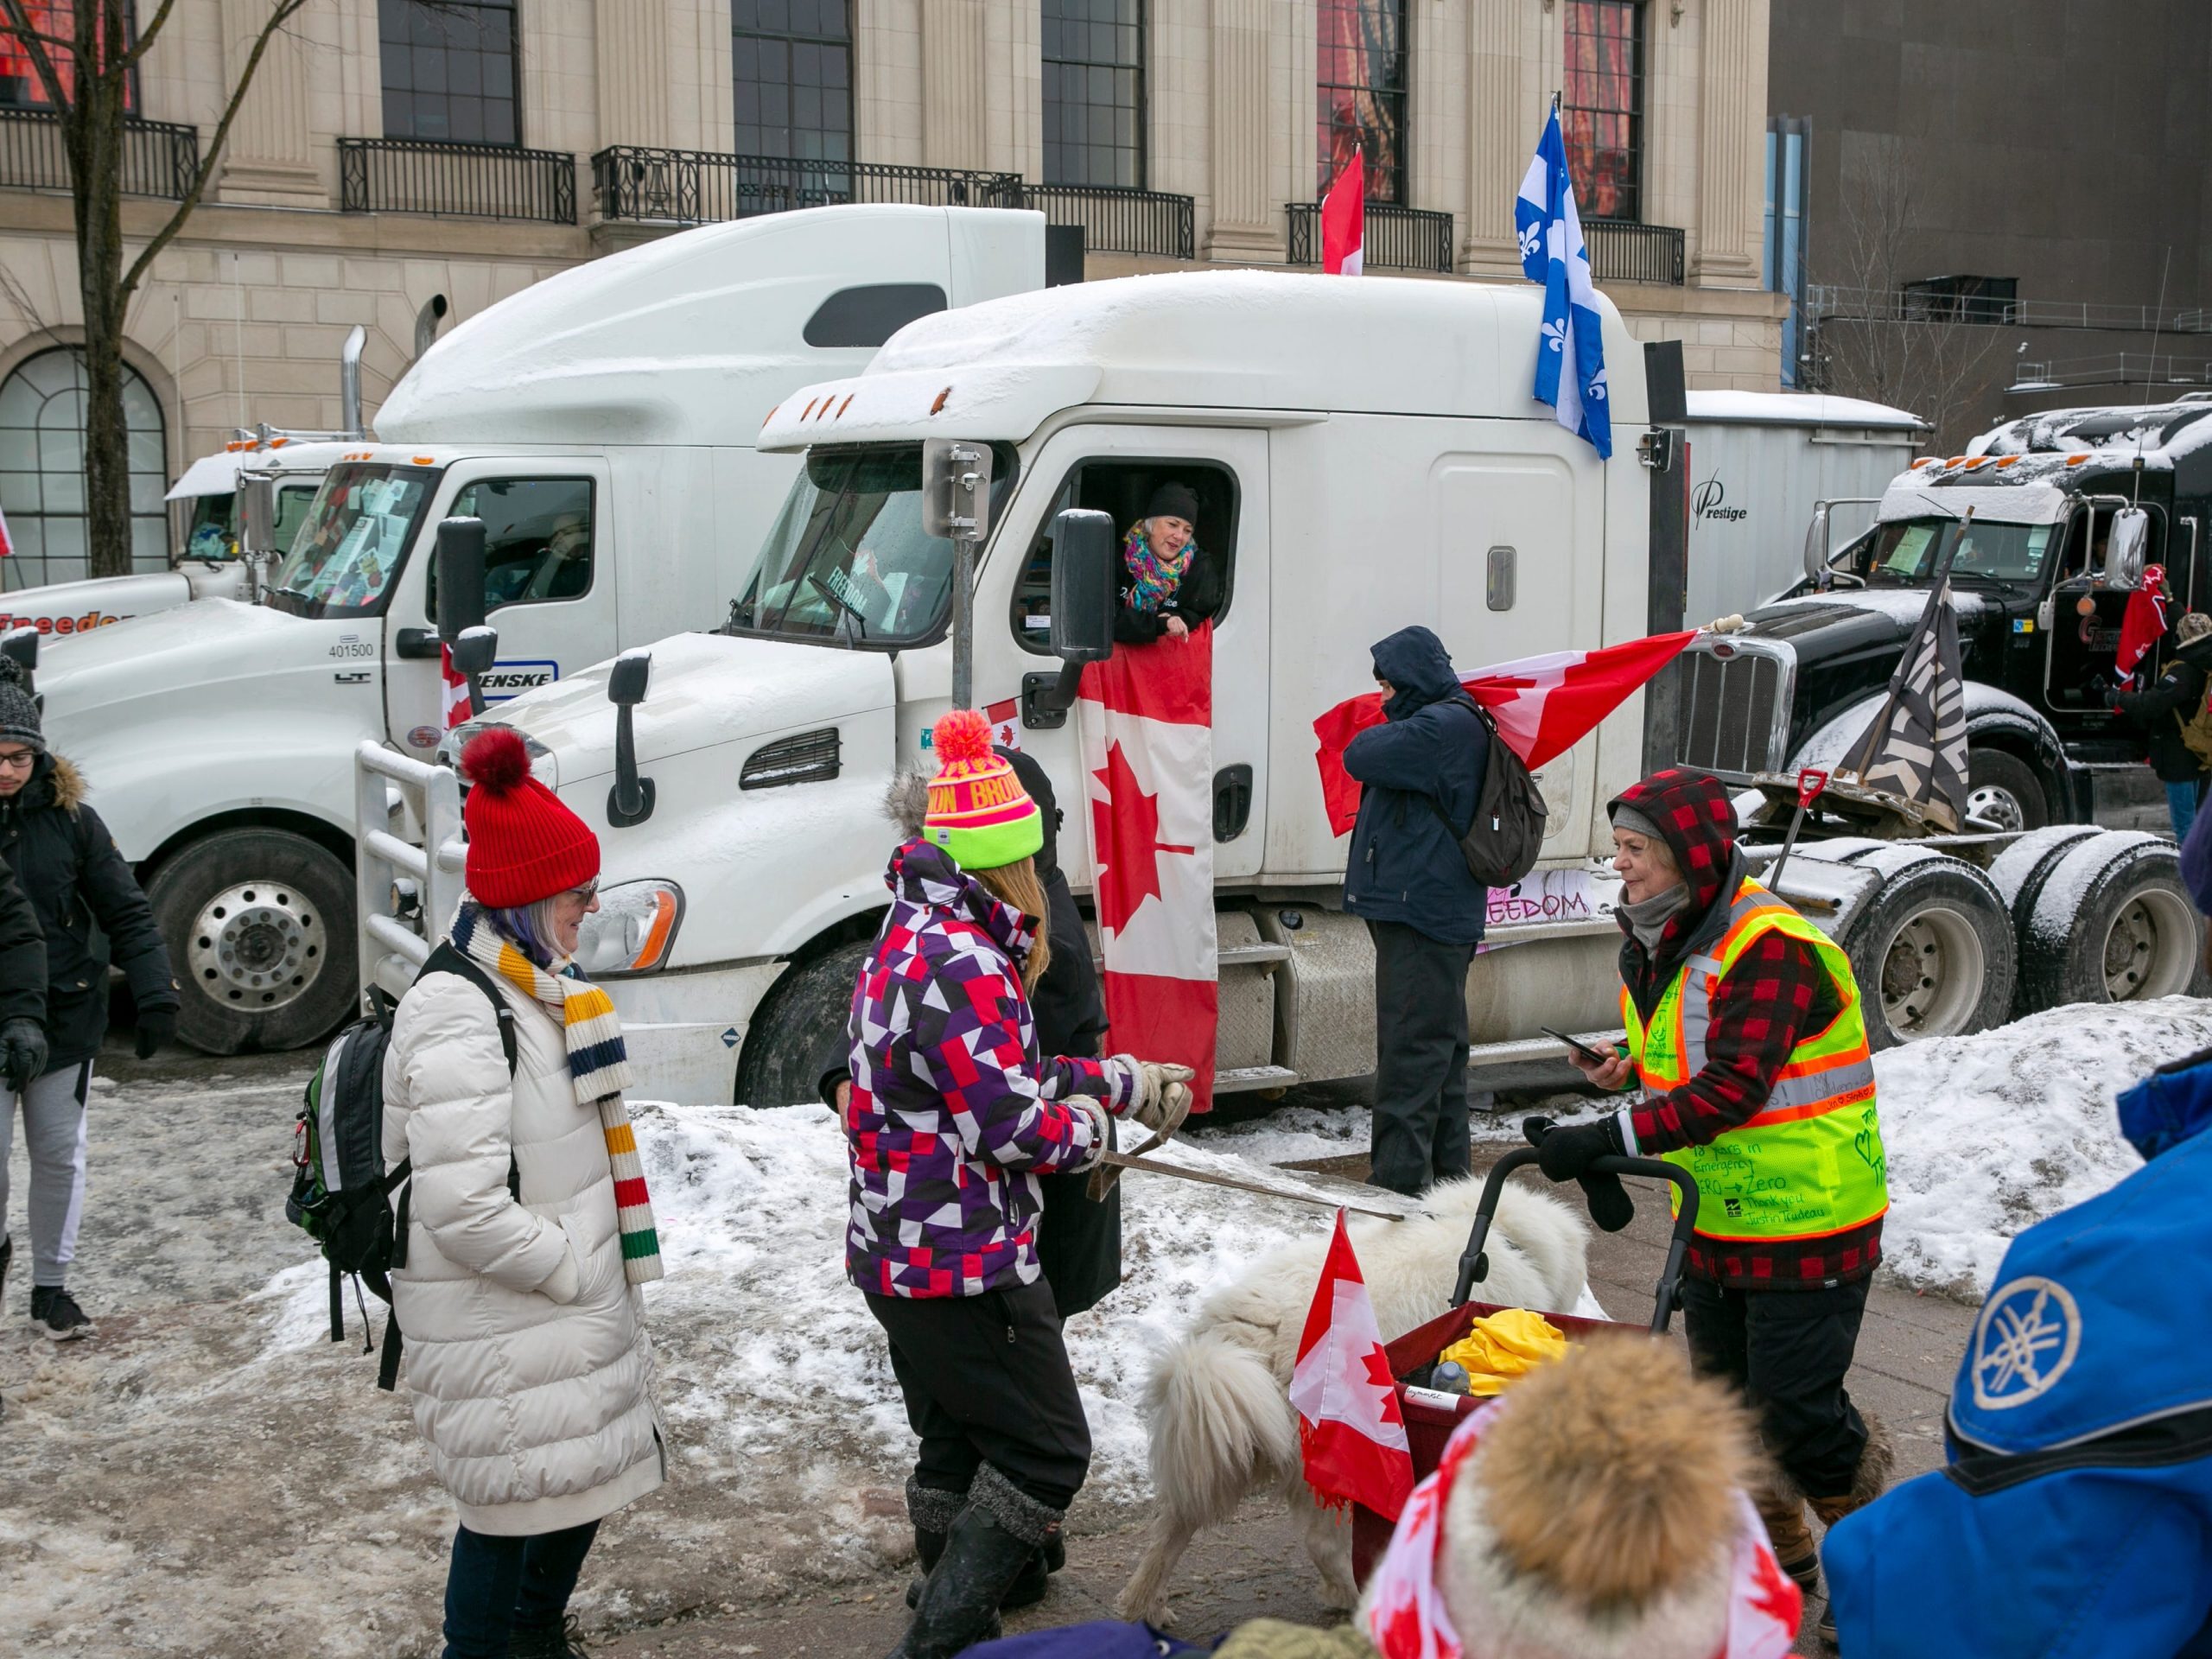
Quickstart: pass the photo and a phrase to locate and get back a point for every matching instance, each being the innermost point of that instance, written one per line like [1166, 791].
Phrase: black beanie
[1174, 501]
[18, 713]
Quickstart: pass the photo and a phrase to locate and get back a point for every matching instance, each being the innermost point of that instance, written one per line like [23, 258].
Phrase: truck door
[2082, 655]
[1114, 469]
[549, 587]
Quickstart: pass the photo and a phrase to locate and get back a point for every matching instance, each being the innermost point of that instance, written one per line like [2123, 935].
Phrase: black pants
[497, 1585]
[1787, 1351]
[985, 1380]
[1420, 1058]
[1078, 1238]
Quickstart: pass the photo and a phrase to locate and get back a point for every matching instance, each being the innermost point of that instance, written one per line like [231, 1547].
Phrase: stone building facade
[391, 156]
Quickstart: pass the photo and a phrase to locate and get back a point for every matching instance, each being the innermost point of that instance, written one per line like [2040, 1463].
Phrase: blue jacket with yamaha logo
[2074, 1520]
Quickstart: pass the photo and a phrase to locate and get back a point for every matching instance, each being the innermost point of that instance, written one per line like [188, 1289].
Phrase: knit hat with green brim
[979, 812]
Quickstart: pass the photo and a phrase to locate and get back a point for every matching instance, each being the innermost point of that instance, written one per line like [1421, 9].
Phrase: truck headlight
[632, 931]
[543, 766]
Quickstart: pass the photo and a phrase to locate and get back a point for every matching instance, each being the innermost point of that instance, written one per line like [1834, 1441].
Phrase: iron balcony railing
[160, 158]
[1396, 238]
[431, 175]
[1114, 220]
[697, 187]
[1623, 252]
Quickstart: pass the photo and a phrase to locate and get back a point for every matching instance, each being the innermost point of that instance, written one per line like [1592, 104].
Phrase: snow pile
[1990, 1134]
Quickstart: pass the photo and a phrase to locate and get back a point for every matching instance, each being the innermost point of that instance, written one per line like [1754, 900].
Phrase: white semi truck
[1365, 454]
[602, 426]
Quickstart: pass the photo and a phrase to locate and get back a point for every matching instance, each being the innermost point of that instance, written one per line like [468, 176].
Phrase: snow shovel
[1810, 783]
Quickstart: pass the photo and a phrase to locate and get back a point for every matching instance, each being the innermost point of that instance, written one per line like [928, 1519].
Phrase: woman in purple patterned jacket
[952, 1115]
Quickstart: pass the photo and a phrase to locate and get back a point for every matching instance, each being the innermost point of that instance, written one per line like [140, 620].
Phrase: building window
[42, 471]
[793, 64]
[1094, 93]
[1784, 268]
[449, 70]
[20, 86]
[1362, 62]
[1601, 106]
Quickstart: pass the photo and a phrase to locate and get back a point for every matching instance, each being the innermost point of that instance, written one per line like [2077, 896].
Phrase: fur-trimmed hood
[54, 782]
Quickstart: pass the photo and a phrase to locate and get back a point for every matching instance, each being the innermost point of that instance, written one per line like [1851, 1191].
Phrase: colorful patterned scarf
[598, 1065]
[1153, 579]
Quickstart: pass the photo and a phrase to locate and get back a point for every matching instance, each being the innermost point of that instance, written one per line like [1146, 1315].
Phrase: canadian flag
[2142, 625]
[1343, 220]
[1147, 715]
[1543, 707]
[7, 540]
[1350, 1435]
[455, 691]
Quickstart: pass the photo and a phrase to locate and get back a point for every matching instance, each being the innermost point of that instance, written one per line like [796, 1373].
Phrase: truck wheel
[2019, 872]
[800, 1032]
[1933, 951]
[260, 930]
[2002, 789]
[2113, 923]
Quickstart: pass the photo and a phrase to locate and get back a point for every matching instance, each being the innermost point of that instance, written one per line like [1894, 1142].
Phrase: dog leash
[1131, 1160]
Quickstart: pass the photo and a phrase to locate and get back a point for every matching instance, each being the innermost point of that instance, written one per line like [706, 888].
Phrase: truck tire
[800, 1032]
[2002, 789]
[2112, 922]
[260, 930]
[1933, 951]
[2019, 872]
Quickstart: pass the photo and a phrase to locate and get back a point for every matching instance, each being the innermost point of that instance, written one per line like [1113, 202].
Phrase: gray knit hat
[18, 713]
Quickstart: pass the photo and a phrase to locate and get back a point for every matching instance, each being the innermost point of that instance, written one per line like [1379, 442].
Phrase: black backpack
[341, 1191]
[1507, 837]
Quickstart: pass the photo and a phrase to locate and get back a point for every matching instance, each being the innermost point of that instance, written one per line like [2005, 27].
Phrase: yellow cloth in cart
[1503, 1345]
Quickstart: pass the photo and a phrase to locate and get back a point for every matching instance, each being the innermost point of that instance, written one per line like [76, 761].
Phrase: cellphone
[1581, 1048]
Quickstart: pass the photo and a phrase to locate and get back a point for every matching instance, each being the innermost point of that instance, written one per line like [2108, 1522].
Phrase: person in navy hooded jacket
[2074, 1519]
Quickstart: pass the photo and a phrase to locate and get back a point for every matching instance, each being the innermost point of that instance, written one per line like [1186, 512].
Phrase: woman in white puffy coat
[525, 1350]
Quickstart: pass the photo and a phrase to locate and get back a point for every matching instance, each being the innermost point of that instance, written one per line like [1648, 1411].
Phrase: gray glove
[1101, 1131]
[1162, 1098]
[23, 1052]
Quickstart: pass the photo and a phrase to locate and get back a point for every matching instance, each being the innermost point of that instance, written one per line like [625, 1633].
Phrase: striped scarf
[598, 1064]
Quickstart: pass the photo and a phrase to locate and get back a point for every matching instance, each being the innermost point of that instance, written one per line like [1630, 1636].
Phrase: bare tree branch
[282, 14]
[147, 34]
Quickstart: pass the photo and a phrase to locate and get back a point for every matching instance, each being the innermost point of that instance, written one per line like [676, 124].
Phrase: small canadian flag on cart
[455, 693]
[1351, 1436]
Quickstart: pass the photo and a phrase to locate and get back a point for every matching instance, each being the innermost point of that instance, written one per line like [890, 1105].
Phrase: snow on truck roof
[1798, 409]
[1208, 340]
[692, 339]
[2028, 470]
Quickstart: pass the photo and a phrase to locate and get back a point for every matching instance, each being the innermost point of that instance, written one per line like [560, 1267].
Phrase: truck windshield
[1906, 553]
[345, 557]
[848, 560]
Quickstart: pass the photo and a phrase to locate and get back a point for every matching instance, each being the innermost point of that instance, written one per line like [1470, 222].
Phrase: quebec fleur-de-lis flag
[1552, 253]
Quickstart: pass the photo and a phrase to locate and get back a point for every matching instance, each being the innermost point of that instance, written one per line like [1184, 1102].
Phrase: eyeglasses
[588, 891]
[21, 761]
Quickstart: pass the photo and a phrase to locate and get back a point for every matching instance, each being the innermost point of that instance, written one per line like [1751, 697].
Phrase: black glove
[1566, 1155]
[156, 1030]
[23, 1052]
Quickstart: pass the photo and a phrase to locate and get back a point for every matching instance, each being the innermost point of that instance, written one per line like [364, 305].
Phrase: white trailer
[600, 424]
[1758, 462]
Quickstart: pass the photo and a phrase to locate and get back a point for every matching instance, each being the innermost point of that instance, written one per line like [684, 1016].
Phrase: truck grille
[1727, 712]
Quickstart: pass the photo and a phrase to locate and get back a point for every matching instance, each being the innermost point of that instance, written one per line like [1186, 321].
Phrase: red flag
[455, 692]
[1147, 746]
[1351, 1436]
[1343, 220]
[2142, 624]
[1543, 706]
[7, 542]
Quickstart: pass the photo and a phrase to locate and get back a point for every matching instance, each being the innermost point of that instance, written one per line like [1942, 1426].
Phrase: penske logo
[505, 680]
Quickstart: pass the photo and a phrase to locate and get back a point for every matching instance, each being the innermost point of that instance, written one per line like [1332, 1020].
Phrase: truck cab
[600, 425]
[2039, 615]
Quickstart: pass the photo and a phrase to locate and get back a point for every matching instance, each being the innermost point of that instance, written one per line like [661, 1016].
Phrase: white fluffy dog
[1218, 1401]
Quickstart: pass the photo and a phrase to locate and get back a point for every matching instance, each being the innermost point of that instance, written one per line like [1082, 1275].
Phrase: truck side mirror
[956, 489]
[1816, 545]
[631, 799]
[2128, 549]
[257, 515]
[476, 649]
[1085, 565]
[461, 577]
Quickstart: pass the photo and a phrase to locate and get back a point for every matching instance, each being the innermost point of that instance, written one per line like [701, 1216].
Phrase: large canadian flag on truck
[1147, 721]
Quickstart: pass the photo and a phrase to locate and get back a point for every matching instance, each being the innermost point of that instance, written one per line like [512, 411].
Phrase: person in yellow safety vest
[1745, 1036]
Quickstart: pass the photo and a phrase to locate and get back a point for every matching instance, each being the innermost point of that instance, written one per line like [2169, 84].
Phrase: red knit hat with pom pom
[979, 811]
[523, 844]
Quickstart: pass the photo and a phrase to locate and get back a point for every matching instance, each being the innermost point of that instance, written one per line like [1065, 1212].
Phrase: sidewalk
[1908, 1351]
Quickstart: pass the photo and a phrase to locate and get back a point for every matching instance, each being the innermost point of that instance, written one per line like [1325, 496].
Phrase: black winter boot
[546, 1641]
[931, 1508]
[995, 1540]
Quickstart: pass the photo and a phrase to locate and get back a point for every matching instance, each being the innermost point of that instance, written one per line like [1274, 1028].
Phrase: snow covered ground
[213, 1475]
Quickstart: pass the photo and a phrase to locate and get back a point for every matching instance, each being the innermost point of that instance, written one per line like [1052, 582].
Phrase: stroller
[1430, 1416]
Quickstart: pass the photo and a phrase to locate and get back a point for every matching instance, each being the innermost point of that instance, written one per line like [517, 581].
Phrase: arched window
[42, 471]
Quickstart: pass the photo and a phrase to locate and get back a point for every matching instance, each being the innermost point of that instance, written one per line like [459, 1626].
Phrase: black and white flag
[1918, 748]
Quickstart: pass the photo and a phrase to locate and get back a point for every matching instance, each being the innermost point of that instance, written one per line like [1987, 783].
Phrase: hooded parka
[2159, 709]
[525, 1352]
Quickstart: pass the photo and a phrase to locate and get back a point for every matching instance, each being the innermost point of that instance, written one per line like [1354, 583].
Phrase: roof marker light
[771, 415]
[1956, 461]
[2075, 460]
[2007, 461]
[426, 460]
[1925, 460]
[937, 406]
[847, 404]
[1978, 461]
